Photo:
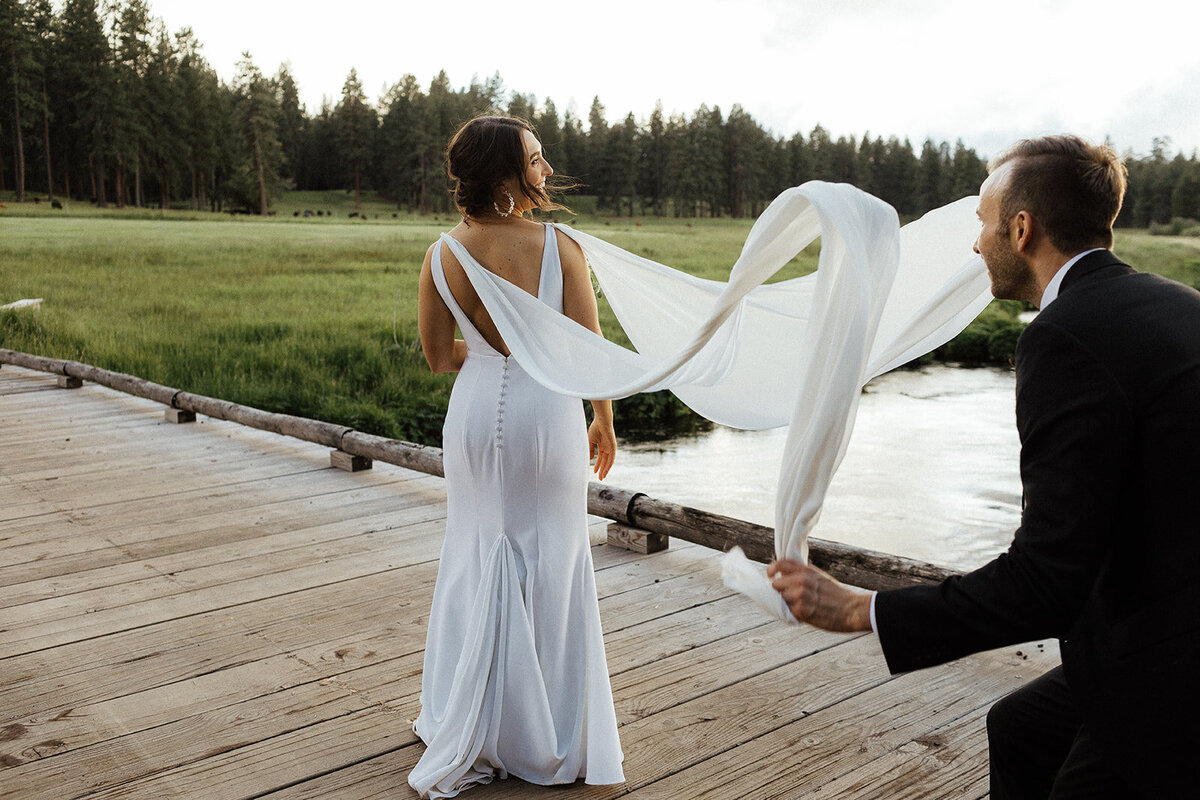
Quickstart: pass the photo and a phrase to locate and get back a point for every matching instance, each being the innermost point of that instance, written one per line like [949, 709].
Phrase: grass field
[296, 315]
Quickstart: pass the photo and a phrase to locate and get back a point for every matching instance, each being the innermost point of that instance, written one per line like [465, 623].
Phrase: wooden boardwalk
[210, 611]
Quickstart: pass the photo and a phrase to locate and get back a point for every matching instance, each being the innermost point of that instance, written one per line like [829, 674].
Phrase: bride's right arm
[436, 325]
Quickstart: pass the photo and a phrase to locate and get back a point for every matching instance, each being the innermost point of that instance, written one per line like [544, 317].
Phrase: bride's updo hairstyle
[484, 152]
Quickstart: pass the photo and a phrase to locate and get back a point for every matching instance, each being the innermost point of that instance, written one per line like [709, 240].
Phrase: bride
[515, 679]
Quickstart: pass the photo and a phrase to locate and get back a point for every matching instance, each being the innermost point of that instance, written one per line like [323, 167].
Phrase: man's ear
[1021, 231]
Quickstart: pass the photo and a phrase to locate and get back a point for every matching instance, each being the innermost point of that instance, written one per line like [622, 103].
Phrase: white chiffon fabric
[754, 355]
[515, 679]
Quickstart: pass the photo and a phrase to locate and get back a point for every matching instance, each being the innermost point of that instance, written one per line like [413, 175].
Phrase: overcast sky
[985, 72]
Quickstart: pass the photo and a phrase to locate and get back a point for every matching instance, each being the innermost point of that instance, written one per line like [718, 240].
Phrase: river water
[931, 471]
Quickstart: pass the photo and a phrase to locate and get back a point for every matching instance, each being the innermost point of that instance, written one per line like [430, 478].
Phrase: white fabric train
[753, 355]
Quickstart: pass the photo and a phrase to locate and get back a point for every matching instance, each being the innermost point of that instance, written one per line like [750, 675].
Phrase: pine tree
[17, 65]
[130, 106]
[258, 114]
[622, 155]
[748, 148]
[42, 26]
[522, 106]
[652, 162]
[292, 124]
[356, 122]
[402, 138]
[681, 170]
[799, 160]
[198, 89]
[820, 154]
[574, 146]
[1185, 196]
[549, 131]
[710, 159]
[165, 144]
[930, 186]
[85, 64]
[968, 169]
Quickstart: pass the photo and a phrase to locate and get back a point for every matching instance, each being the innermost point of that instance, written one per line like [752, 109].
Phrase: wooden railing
[865, 568]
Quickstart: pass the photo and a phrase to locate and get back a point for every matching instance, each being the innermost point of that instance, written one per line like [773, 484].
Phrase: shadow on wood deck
[211, 611]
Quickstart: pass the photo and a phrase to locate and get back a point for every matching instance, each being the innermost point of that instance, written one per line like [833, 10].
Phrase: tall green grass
[315, 317]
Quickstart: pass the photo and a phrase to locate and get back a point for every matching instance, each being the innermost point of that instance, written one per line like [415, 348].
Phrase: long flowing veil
[749, 354]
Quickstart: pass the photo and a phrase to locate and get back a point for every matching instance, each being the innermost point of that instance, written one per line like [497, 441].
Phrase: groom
[1107, 557]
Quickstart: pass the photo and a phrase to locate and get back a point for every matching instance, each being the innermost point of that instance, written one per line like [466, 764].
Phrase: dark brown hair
[1074, 188]
[484, 152]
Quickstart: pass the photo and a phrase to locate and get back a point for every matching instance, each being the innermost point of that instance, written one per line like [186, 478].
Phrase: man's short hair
[1072, 187]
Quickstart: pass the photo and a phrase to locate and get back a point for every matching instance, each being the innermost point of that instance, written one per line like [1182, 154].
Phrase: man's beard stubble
[1011, 276]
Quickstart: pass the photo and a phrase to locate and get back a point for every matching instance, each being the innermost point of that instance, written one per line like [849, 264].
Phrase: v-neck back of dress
[550, 284]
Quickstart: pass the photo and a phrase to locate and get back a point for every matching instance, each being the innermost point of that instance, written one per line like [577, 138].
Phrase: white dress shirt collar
[1051, 292]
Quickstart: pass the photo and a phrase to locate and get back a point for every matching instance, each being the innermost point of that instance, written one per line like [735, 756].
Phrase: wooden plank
[678, 632]
[154, 755]
[136, 520]
[14, 388]
[686, 734]
[85, 454]
[181, 450]
[146, 709]
[342, 665]
[384, 775]
[174, 742]
[663, 684]
[54, 680]
[89, 400]
[59, 412]
[637, 592]
[105, 621]
[951, 761]
[79, 548]
[25, 434]
[381, 777]
[207, 566]
[860, 740]
[135, 703]
[142, 657]
[258, 767]
[54, 500]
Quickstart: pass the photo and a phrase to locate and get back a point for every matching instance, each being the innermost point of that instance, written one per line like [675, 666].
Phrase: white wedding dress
[515, 678]
[753, 354]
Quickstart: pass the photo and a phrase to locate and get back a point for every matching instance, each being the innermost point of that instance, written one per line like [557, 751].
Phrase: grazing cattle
[56, 204]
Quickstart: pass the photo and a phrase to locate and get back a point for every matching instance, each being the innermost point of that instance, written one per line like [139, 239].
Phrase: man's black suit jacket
[1107, 558]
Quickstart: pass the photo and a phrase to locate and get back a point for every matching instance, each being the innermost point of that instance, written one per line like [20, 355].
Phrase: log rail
[866, 568]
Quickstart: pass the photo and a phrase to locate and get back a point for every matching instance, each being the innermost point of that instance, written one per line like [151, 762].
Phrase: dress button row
[500, 406]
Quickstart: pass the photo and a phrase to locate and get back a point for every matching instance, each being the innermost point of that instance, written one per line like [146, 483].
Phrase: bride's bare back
[512, 250]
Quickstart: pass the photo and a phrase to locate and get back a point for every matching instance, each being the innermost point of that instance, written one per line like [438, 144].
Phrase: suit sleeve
[1076, 432]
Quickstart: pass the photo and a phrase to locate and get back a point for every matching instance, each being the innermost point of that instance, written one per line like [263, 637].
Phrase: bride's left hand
[602, 445]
